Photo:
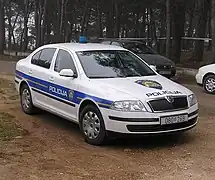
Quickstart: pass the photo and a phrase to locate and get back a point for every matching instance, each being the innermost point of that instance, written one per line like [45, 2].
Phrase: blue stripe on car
[66, 93]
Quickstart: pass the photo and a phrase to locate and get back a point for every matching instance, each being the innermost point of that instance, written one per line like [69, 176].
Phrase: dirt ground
[48, 147]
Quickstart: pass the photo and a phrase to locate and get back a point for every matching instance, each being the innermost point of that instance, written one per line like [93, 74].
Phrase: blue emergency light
[82, 39]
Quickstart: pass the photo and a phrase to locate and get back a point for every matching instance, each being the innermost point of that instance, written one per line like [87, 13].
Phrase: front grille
[154, 128]
[162, 105]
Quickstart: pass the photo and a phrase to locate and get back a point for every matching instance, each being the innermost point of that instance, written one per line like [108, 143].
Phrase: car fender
[21, 82]
[87, 99]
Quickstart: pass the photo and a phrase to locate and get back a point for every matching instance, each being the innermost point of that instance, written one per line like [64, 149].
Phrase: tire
[26, 100]
[209, 88]
[93, 131]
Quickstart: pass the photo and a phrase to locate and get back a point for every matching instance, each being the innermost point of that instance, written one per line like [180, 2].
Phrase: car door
[38, 71]
[63, 87]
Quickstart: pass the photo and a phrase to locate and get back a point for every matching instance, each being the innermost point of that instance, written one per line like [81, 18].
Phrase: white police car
[206, 78]
[104, 89]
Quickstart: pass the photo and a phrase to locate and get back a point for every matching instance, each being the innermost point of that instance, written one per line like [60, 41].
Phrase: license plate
[174, 119]
[165, 72]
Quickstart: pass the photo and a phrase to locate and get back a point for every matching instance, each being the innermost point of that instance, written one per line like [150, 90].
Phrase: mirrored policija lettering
[160, 93]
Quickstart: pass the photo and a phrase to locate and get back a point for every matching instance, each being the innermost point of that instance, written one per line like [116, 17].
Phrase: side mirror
[67, 73]
[153, 67]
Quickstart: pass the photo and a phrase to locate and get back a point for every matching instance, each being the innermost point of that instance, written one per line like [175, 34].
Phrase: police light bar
[82, 39]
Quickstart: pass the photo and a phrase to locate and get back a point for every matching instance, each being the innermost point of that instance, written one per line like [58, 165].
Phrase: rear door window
[44, 57]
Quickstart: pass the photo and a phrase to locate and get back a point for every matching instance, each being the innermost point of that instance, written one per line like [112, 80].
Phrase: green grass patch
[8, 129]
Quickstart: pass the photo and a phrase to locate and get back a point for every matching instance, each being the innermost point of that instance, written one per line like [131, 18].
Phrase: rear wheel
[92, 125]
[26, 100]
[209, 84]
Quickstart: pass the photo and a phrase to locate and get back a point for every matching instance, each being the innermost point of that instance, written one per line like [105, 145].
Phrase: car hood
[139, 88]
[155, 59]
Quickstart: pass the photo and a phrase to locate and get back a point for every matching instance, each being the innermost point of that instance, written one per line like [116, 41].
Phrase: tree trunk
[66, 25]
[148, 28]
[209, 26]
[13, 27]
[168, 31]
[25, 30]
[201, 30]
[21, 40]
[109, 20]
[62, 20]
[153, 27]
[213, 30]
[88, 15]
[69, 34]
[99, 12]
[58, 35]
[143, 24]
[118, 15]
[178, 28]
[2, 27]
[191, 26]
[9, 16]
[43, 27]
[83, 23]
[162, 32]
[209, 34]
[36, 19]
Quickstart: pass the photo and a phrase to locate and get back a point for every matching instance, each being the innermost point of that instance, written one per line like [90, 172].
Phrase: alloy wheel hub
[91, 125]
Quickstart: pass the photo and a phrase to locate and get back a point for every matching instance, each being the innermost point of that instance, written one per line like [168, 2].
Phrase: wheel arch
[207, 74]
[84, 103]
[23, 82]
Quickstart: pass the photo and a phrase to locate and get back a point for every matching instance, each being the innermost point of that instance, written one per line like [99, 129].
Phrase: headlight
[128, 106]
[192, 99]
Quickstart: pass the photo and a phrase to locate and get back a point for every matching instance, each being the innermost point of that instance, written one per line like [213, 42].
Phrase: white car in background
[104, 89]
[206, 78]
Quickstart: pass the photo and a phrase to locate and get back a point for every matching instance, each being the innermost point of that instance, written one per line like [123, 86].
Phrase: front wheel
[209, 84]
[92, 125]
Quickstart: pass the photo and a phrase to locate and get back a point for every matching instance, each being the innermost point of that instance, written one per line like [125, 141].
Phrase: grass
[8, 129]
[7, 91]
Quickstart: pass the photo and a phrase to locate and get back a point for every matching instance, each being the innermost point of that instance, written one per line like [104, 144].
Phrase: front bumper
[199, 79]
[147, 123]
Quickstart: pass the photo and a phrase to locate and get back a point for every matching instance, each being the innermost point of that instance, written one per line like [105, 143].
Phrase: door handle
[51, 78]
[30, 71]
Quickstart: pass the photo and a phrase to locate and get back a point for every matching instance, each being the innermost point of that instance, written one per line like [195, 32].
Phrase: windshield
[139, 48]
[112, 64]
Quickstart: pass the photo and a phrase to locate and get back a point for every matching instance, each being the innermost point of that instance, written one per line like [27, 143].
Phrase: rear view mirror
[153, 67]
[67, 73]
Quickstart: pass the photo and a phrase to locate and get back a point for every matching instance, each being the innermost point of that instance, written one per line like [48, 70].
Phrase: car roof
[84, 46]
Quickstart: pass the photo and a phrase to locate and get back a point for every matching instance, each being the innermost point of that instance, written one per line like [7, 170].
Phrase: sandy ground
[7, 67]
[53, 149]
